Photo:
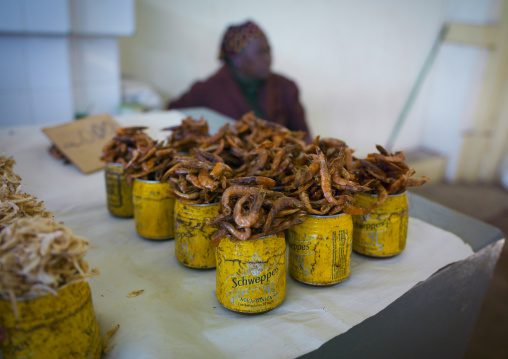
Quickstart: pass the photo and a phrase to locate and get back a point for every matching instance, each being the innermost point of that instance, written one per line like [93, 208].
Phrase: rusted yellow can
[193, 246]
[61, 326]
[382, 232]
[320, 249]
[153, 209]
[251, 275]
[119, 193]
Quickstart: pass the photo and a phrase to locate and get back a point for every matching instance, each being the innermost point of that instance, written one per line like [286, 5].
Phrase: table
[432, 318]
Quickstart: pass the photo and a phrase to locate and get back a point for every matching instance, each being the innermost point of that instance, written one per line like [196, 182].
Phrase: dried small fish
[95, 271]
[135, 293]
[38, 256]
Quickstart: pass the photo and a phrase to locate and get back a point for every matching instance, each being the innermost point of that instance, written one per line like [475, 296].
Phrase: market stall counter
[421, 303]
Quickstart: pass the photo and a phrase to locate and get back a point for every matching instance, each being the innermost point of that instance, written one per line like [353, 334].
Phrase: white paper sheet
[178, 315]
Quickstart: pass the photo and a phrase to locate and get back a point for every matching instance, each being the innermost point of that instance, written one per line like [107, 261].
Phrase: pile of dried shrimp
[233, 143]
[385, 173]
[151, 162]
[251, 212]
[250, 147]
[198, 178]
[141, 156]
[326, 185]
[189, 134]
[126, 144]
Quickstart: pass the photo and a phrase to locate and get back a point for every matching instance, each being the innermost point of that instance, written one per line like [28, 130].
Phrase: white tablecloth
[178, 315]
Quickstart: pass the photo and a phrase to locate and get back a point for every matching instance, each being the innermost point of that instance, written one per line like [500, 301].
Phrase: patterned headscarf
[237, 37]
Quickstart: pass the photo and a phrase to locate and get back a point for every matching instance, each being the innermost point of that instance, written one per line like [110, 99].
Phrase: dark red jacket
[278, 99]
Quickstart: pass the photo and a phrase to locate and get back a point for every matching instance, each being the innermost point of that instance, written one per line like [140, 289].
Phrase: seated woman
[245, 83]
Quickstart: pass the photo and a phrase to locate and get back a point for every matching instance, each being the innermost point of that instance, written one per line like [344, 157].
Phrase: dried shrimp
[386, 173]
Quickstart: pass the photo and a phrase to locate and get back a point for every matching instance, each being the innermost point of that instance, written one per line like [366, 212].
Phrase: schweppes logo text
[261, 279]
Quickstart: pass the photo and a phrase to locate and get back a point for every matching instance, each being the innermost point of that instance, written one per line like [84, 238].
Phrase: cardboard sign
[82, 141]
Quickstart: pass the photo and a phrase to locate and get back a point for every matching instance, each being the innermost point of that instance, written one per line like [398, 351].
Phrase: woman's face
[255, 59]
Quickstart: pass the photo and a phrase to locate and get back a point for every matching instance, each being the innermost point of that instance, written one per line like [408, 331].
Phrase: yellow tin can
[193, 245]
[320, 249]
[61, 326]
[382, 232]
[251, 274]
[119, 193]
[153, 209]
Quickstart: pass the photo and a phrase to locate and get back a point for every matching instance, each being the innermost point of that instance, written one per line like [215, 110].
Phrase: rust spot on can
[62, 326]
[382, 232]
[118, 192]
[320, 249]
[153, 209]
[193, 245]
[251, 274]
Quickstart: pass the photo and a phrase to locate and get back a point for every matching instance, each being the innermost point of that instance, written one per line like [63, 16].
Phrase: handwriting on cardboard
[82, 141]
